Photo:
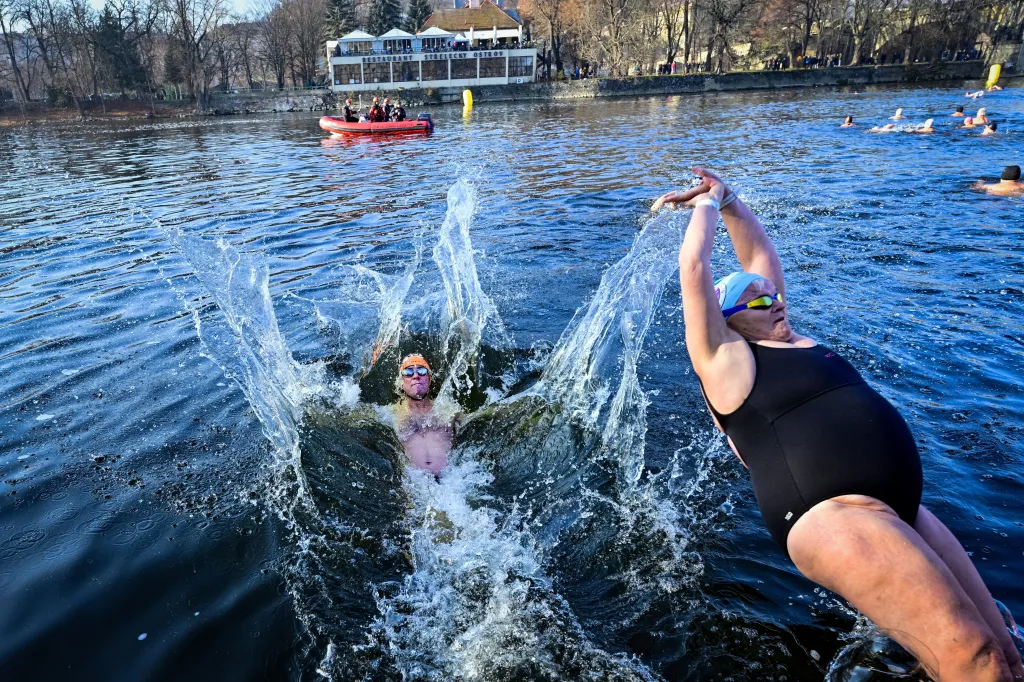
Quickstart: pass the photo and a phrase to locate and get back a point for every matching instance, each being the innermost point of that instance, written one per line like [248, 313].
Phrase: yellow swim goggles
[759, 303]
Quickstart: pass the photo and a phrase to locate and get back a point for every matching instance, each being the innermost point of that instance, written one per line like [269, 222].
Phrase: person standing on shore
[835, 468]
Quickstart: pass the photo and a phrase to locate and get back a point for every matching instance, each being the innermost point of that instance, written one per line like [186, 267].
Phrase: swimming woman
[835, 468]
[925, 127]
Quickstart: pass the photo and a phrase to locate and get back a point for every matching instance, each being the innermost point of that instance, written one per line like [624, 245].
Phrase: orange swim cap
[414, 359]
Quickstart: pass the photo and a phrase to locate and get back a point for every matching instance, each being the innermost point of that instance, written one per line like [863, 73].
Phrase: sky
[240, 5]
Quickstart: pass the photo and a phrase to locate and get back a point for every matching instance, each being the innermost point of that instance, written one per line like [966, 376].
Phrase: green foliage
[384, 15]
[57, 96]
[341, 17]
[416, 14]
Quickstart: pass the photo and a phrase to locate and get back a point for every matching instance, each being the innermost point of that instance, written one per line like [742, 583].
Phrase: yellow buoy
[994, 72]
[467, 99]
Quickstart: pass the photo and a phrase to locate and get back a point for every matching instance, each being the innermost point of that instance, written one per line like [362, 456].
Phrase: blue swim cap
[729, 288]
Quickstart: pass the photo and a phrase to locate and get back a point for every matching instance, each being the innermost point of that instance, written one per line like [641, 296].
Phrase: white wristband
[709, 202]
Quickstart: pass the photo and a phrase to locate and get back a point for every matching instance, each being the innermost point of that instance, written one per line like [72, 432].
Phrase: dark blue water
[151, 528]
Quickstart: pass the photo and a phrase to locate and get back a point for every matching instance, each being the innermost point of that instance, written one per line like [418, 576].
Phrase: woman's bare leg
[859, 548]
[952, 553]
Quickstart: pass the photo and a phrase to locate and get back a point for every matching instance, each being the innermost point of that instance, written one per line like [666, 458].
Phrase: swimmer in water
[925, 127]
[975, 95]
[426, 437]
[835, 468]
[981, 116]
[969, 123]
[959, 112]
[848, 123]
[990, 129]
[898, 116]
[887, 128]
[994, 87]
[1009, 184]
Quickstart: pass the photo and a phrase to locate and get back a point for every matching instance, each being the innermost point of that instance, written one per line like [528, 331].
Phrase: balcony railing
[455, 47]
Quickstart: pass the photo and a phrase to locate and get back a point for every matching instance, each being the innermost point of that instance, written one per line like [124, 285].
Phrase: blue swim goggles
[759, 303]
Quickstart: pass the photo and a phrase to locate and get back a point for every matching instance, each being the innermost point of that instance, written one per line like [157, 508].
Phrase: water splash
[604, 341]
[240, 333]
[470, 313]
[478, 606]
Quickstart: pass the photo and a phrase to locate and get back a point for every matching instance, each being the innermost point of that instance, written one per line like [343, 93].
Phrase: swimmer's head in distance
[1011, 173]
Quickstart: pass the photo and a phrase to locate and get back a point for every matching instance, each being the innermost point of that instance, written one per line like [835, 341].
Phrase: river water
[200, 479]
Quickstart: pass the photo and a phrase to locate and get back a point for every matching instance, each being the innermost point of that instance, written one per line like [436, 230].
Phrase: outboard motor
[424, 117]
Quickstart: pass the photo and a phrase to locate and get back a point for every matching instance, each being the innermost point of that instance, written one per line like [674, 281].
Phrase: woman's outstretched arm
[754, 248]
[706, 330]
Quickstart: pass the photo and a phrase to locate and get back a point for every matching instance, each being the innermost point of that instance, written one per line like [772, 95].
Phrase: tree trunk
[19, 80]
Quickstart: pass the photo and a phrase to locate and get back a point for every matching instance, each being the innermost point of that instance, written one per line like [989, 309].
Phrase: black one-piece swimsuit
[812, 429]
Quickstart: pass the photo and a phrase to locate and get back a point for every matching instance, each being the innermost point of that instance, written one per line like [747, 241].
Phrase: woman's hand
[710, 184]
[712, 180]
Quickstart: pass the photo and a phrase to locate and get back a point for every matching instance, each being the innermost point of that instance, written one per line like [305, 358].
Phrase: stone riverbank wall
[325, 100]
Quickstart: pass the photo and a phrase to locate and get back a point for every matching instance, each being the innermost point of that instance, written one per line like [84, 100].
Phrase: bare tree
[274, 35]
[307, 20]
[675, 15]
[727, 19]
[196, 24]
[610, 24]
[52, 29]
[242, 42]
[8, 15]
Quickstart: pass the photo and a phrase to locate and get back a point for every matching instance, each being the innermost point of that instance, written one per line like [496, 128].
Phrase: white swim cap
[731, 287]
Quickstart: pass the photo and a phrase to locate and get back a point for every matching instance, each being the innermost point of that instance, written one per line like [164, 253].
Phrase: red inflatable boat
[338, 126]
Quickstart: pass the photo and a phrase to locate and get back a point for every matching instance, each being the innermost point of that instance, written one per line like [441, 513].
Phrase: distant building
[476, 45]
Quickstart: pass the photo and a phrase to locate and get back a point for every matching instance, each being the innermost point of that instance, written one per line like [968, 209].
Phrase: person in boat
[398, 114]
[959, 112]
[426, 437]
[848, 123]
[990, 129]
[981, 117]
[388, 108]
[1009, 184]
[376, 112]
[351, 115]
[835, 468]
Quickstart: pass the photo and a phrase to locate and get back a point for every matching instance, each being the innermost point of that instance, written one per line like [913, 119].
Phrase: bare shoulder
[729, 377]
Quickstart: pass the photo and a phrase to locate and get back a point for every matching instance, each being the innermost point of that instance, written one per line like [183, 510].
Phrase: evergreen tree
[173, 73]
[118, 50]
[341, 17]
[384, 16]
[416, 14]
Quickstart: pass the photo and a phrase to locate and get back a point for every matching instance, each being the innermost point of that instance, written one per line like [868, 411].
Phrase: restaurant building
[464, 46]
